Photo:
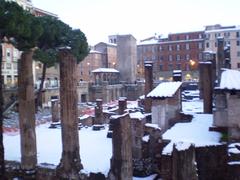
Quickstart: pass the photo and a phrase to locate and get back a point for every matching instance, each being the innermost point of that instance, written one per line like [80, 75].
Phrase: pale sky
[141, 18]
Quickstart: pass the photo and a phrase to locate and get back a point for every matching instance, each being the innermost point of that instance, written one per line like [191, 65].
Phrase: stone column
[26, 101]
[148, 85]
[206, 80]
[55, 110]
[122, 105]
[98, 112]
[220, 57]
[70, 164]
[121, 162]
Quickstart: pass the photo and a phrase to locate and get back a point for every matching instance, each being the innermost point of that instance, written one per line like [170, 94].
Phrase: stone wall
[165, 109]
[233, 102]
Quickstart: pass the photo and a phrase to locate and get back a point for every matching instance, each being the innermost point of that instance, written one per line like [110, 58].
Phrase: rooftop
[105, 70]
[165, 89]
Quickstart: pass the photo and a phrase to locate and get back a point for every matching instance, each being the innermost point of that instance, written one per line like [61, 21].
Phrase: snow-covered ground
[96, 149]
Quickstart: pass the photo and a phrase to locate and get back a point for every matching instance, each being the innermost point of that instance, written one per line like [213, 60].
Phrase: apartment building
[231, 36]
[178, 51]
[10, 56]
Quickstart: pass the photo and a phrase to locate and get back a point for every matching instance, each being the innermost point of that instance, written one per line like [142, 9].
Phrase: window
[178, 47]
[9, 80]
[207, 44]
[200, 56]
[215, 44]
[238, 43]
[161, 58]
[15, 66]
[8, 54]
[238, 54]
[200, 36]
[187, 47]
[178, 66]
[187, 57]
[153, 58]
[160, 67]
[178, 57]
[200, 46]
[8, 65]
[238, 65]
[170, 47]
[187, 37]
[237, 34]
[170, 58]
[160, 48]
[170, 67]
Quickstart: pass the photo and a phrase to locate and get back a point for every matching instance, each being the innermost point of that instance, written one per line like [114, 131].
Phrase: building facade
[180, 51]
[10, 57]
[231, 36]
[127, 58]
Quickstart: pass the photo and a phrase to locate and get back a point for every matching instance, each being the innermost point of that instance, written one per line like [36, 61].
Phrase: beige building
[231, 35]
[10, 56]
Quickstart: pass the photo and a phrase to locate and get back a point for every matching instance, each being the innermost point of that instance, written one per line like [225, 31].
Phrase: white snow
[149, 42]
[232, 148]
[94, 51]
[146, 138]
[234, 163]
[165, 89]
[192, 107]
[195, 132]
[230, 79]
[85, 116]
[136, 115]
[181, 146]
[95, 148]
[106, 70]
[155, 126]
[152, 177]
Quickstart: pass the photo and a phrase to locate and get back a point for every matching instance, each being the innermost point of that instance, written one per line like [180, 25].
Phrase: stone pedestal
[55, 110]
[122, 105]
[98, 112]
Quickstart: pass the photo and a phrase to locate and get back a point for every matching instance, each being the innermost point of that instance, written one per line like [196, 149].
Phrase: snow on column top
[165, 89]
[230, 80]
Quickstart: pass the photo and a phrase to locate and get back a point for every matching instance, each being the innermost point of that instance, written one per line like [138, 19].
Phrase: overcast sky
[141, 18]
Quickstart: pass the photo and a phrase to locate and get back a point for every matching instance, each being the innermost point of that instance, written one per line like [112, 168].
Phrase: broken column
[206, 81]
[70, 163]
[183, 162]
[98, 112]
[121, 162]
[122, 105]
[148, 85]
[55, 110]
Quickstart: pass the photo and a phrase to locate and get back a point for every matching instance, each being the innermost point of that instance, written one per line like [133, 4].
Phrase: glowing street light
[192, 62]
